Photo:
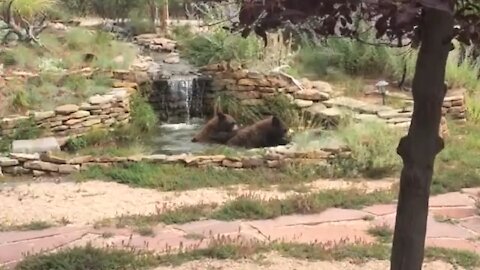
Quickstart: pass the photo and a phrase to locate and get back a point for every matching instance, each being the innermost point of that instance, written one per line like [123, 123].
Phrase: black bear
[219, 129]
[265, 133]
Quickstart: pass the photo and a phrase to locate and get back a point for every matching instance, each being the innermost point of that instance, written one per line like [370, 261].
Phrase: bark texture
[419, 148]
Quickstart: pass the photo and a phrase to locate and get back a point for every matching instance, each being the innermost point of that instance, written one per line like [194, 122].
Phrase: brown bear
[265, 133]
[219, 129]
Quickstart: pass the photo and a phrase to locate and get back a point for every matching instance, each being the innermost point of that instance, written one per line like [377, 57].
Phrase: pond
[175, 138]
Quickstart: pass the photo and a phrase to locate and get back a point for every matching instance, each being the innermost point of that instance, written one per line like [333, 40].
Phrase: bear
[268, 132]
[218, 130]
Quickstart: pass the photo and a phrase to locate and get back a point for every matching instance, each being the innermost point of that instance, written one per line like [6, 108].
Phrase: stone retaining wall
[98, 111]
[251, 88]
[41, 164]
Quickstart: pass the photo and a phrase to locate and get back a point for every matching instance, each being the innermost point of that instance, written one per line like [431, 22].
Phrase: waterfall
[181, 98]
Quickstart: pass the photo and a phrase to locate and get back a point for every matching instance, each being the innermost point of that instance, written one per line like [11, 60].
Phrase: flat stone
[15, 251]
[12, 122]
[322, 86]
[231, 164]
[456, 244]
[67, 109]
[381, 209]
[446, 230]
[303, 103]
[60, 128]
[41, 166]
[38, 116]
[155, 158]
[98, 100]
[36, 145]
[73, 121]
[91, 122]
[472, 223]
[38, 173]
[311, 94]
[451, 200]
[16, 170]
[25, 157]
[80, 114]
[173, 59]
[328, 233]
[475, 192]
[8, 162]
[67, 169]
[51, 158]
[454, 212]
[398, 120]
[247, 82]
[210, 227]
[394, 114]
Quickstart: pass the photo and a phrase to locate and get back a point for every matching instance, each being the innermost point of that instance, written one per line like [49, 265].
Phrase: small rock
[247, 82]
[41, 166]
[35, 146]
[67, 109]
[8, 162]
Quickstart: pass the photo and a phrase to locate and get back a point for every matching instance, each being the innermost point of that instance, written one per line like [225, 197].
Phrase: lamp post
[382, 89]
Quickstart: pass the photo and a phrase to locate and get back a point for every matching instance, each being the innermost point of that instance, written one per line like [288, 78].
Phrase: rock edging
[48, 163]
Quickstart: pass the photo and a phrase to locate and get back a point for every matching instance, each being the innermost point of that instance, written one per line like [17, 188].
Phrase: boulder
[36, 145]
[67, 109]
[67, 168]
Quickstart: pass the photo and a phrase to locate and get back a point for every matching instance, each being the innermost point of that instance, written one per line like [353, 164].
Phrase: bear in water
[219, 129]
[265, 133]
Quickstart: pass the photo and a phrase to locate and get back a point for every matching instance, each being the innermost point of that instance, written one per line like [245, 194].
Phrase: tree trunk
[164, 17]
[421, 145]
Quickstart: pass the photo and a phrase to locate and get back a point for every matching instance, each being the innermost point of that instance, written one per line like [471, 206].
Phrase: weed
[382, 232]
[87, 258]
[32, 226]
[226, 249]
[145, 231]
[462, 258]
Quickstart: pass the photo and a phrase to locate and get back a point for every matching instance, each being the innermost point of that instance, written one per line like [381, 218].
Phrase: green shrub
[373, 150]
[143, 117]
[26, 130]
[75, 144]
[220, 46]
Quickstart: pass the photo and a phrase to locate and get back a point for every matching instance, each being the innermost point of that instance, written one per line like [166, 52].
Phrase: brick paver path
[331, 225]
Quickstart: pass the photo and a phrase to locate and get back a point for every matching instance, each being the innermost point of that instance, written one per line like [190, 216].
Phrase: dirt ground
[275, 262]
[87, 202]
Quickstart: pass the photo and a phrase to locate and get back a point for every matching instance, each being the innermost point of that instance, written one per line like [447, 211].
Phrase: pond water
[175, 138]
